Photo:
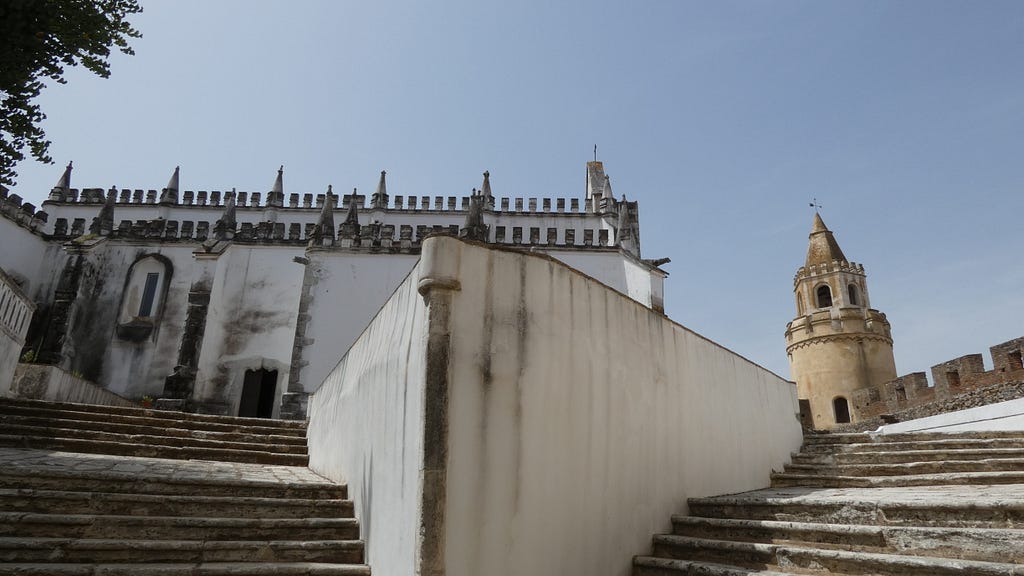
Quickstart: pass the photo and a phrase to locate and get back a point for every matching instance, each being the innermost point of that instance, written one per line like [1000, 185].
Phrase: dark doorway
[842, 409]
[258, 394]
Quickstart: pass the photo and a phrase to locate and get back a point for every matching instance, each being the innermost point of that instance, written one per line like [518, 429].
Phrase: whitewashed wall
[366, 429]
[572, 420]
[346, 291]
[27, 257]
[580, 420]
[251, 320]
[15, 315]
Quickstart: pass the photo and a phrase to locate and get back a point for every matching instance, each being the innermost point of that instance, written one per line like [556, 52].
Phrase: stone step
[129, 483]
[864, 437]
[186, 569]
[66, 429]
[156, 418]
[64, 502]
[946, 479]
[137, 550]
[10, 420]
[984, 544]
[652, 566]
[906, 456]
[992, 507]
[830, 561]
[935, 445]
[908, 468]
[149, 451]
[107, 526]
[284, 427]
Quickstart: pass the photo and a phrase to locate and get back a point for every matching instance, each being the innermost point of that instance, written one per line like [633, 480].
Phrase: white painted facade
[548, 403]
[999, 417]
[247, 284]
[16, 311]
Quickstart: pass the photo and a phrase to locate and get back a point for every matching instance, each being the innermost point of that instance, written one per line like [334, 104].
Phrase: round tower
[839, 347]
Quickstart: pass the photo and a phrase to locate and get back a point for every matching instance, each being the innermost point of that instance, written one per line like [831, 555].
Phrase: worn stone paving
[42, 461]
[976, 495]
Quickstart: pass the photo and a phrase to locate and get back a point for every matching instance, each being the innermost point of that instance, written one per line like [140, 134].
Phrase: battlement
[952, 378]
[13, 208]
[827, 268]
[257, 200]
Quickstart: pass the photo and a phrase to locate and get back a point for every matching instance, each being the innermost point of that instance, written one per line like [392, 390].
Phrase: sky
[725, 120]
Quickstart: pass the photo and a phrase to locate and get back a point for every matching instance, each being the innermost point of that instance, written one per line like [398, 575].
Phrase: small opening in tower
[842, 410]
[854, 300]
[824, 294]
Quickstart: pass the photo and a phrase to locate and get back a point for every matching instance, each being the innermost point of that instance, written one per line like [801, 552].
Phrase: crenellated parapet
[383, 221]
[22, 213]
[827, 268]
[959, 376]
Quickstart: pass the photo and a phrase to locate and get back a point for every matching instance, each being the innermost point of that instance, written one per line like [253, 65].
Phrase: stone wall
[15, 316]
[897, 398]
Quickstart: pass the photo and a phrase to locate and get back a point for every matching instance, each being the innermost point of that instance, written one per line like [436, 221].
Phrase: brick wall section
[959, 383]
[954, 376]
[983, 396]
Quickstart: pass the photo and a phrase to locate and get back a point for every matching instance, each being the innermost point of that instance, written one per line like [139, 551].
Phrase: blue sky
[724, 119]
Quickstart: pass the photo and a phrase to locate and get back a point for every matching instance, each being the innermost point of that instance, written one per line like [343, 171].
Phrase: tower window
[854, 300]
[824, 294]
[842, 410]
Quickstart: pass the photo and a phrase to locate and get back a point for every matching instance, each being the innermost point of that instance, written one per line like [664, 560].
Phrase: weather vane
[815, 205]
[595, 152]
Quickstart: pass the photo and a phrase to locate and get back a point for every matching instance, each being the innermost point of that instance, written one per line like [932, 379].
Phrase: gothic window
[854, 297]
[824, 294]
[142, 302]
[842, 410]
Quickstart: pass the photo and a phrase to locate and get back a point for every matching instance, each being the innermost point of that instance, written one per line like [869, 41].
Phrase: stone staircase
[924, 504]
[94, 490]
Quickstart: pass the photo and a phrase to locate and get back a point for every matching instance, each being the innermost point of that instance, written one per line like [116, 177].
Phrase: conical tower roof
[822, 247]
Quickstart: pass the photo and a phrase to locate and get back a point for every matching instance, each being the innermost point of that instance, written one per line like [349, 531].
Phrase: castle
[240, 303]
[841, 352]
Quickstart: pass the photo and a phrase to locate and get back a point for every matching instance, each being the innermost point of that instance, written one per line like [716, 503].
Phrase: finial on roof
[169, 195]
[65, 178]
[275, 198]
[822, 247]
[350, 227]
[475, 229]
[608, 188]
[380, 197]
[485, 188]
[103, 223]
[59, 193]
[324, 232]
[224, 229]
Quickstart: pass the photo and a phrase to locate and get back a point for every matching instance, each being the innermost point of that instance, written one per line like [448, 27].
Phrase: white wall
[579, 421]
[366, 429]
[24, 256]
[347, 290]
[618, 272]
[572, 421]
[15, 315]
[43, 382]
[250, 324]
[1004, 416]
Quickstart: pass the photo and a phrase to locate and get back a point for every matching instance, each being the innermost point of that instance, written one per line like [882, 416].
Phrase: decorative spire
[169, 195]
[822, 247]
[324, 232]
[103, 223]
[380, 197]
[485, 188]
[350, 227]
[60, 190]
[224, 229]
[276, 195]
[608, 188]
[475, 229]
